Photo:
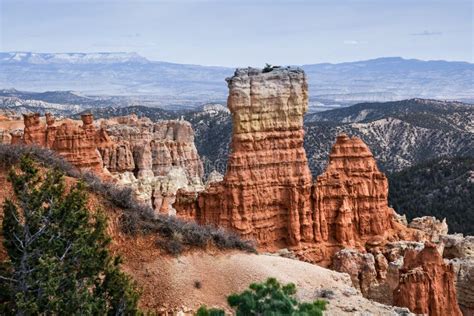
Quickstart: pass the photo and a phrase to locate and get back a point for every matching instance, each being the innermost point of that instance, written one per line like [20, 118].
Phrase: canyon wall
[77, 144]
[341, 220]
[155, 159]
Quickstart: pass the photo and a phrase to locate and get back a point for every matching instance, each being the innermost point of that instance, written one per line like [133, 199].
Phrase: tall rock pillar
[266, 190]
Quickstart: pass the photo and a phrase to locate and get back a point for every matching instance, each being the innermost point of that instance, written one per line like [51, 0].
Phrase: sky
[243, 32]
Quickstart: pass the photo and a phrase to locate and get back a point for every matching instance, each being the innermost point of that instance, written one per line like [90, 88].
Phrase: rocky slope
[219, 274]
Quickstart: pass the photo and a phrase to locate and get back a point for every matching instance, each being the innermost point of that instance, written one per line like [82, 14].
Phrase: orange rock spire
[351, 195]
[265, 193]
[427, 284]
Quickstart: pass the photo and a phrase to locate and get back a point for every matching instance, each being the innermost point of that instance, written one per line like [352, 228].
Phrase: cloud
[426, 33]
[354, 42]
[131, 35]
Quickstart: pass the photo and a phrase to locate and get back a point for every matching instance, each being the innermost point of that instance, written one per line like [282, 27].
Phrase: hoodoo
[351, 195]
[341, 220]
[155, 159]
[265, 194]
[77, 144]
[427, 284]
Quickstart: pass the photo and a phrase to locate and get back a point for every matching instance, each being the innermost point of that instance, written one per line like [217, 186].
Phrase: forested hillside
[443, 188]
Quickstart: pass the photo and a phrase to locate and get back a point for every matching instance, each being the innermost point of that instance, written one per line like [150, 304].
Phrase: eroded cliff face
[265, 193]
[427, 284]
[77, 144]
[341, 220]
[459, 251]
[155, 159]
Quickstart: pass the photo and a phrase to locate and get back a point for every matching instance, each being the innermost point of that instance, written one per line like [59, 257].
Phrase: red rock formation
[155, 159]
[351, 196]
[361, 268]
[77, 144]
[34, 132]
[265, 193]
[427, 284]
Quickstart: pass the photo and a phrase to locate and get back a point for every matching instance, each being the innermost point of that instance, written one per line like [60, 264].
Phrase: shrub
[203, 311]
[267, 68]
[270, 298]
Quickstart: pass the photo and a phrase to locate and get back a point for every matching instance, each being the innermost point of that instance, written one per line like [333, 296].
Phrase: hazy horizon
[233, 33]
[237, 66]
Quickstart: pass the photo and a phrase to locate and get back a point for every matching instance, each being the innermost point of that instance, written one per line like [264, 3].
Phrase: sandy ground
[171, 282]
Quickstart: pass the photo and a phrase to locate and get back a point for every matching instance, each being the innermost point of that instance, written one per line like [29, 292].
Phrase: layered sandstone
[427, 284]
[155, 159]
[77, 144]
[431, 226]
[265, 193]
[5, 137]
[459, 251]
[351, 196]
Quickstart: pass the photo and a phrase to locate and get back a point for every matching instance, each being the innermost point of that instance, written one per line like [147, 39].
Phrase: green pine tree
[268, 298]
[273, 298]
[58, 258]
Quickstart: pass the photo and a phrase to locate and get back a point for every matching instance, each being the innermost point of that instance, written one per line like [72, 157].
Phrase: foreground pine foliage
[268, 298]
[58, 259]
